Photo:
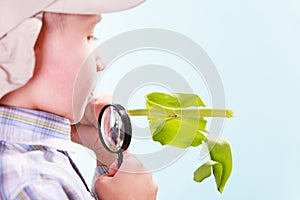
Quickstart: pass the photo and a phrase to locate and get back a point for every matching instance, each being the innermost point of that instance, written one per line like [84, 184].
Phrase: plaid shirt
[31, 167]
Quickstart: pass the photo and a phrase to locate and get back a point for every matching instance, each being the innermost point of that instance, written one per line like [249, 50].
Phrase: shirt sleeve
[42, 191]
[50, 190]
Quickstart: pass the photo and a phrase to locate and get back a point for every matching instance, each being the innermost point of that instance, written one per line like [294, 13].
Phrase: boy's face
[65, 61]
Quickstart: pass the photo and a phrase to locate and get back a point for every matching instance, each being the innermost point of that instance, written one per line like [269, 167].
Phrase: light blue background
[255, 46]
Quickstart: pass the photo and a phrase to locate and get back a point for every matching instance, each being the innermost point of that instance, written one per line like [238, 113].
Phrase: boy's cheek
[81, 100]
[84, 84]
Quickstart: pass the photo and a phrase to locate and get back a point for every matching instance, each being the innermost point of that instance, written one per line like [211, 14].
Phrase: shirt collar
[20, 125]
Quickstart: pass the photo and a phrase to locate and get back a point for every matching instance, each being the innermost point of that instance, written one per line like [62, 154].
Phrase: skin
[131, 168]
[60, 53]
[63, 79]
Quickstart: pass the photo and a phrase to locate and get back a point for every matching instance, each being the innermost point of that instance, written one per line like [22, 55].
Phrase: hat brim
[12, 12]
[91, 6]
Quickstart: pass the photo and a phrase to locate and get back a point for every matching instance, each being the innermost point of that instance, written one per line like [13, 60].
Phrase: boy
[46, 80]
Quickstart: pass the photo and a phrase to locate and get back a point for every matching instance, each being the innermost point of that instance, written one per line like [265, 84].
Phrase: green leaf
[171, 126]
[220, 152]
[177, 132]
[204, 171]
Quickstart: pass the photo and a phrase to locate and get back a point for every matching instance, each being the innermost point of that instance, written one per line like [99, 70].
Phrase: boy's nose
[99, 64]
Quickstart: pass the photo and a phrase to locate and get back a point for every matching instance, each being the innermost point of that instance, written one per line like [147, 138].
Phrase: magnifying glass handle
[120, 159]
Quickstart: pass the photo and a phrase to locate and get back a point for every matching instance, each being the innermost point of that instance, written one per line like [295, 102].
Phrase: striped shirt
[31, 167]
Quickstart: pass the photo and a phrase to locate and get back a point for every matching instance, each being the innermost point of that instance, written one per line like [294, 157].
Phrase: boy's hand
[86, 132]
[132, 181]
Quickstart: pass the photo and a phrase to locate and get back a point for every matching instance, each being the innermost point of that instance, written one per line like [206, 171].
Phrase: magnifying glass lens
[112, 129]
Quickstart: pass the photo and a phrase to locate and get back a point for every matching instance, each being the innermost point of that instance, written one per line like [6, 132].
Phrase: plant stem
[194, 113]
[138, 112]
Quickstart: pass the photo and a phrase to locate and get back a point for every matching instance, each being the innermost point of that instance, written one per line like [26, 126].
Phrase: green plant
[179, 120]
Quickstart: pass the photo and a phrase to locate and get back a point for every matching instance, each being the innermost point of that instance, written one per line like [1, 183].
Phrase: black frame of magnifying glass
[127, 126]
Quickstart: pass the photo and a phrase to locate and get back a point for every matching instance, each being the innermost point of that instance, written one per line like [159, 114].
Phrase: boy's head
[64, 71]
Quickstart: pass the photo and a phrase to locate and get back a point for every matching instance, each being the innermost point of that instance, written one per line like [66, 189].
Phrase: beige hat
[19, 29]
[13, 12]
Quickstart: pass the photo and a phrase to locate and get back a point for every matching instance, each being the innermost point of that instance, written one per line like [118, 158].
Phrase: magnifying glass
[114, 128]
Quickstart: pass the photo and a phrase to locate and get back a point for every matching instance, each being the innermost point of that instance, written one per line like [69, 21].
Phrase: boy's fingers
[134, 183]
[113, 168]
[132, 165]
[101, 183]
